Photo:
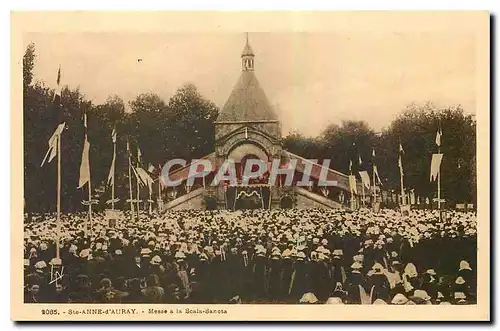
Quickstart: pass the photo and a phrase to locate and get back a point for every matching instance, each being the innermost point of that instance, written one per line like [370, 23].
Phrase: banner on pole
[365, 178]
[435, 165]
[352, 184]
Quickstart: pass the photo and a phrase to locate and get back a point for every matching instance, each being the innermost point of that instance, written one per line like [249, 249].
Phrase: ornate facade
[248, 127]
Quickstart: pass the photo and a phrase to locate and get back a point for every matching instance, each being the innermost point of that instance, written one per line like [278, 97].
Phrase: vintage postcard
[250, 166]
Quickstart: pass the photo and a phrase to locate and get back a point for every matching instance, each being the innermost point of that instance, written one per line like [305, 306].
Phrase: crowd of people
[254, 256]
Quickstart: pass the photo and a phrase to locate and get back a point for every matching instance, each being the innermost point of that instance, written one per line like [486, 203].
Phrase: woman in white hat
[299, 282]
[287, 267]
[380, 288]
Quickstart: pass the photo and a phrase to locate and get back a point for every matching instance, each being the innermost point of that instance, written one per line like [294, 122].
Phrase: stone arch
[249, 136]
[239, 151]
[286, 202]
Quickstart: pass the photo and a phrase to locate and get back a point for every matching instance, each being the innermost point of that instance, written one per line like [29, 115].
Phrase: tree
[192, 117]
[416, 129]
[348, 142]
[28, 65]
[308, 147]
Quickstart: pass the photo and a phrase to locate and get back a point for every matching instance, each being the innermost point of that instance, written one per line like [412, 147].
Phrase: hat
[356, 266]
[464, 265]
[411, 270]
[337, 253]
[379, 302]
[431, 272]
[118, 252]
[324, 242]
[259, 248]
[55, 261]
[40, 265]
[420, 294]
[459, 295]
[145, 251]
[316, 241]
[286, 254]
[84, 253]
[308, 298]
[460, 281]
[399, 299]
[156, 260]
[377, 269]
[180, 255]
[301, 255]
[334, 301]
[358, 258]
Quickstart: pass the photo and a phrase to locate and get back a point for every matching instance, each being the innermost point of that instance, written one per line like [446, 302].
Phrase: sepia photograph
[168, 172]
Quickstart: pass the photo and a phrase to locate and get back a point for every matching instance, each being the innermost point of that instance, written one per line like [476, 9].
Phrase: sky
[311, 78]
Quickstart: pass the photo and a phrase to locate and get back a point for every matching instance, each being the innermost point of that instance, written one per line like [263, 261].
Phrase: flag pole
[159, 186]
[138, 184]
[113, 179]
[90, 207]
[350, 186]
[439, 183]
[132, 212]
[403, 198]
[58, 235]
[150, 200]
[363, 192]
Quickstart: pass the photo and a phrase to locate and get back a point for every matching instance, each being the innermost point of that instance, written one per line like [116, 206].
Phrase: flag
[365, 178]
[58, 92]
[412, 197]
[352, 184]
[144, 177]
[400, 164]
[400, 160]
[438, 137]
[112, 169]
[435, 165]
[151, 168]
[85, 120]
[53, 143]
[375, 171]
[59, 76]
[85, 165]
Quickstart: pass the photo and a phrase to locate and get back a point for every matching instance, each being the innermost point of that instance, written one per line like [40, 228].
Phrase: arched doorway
[210, 202]
[286, 202]
[249, 193]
